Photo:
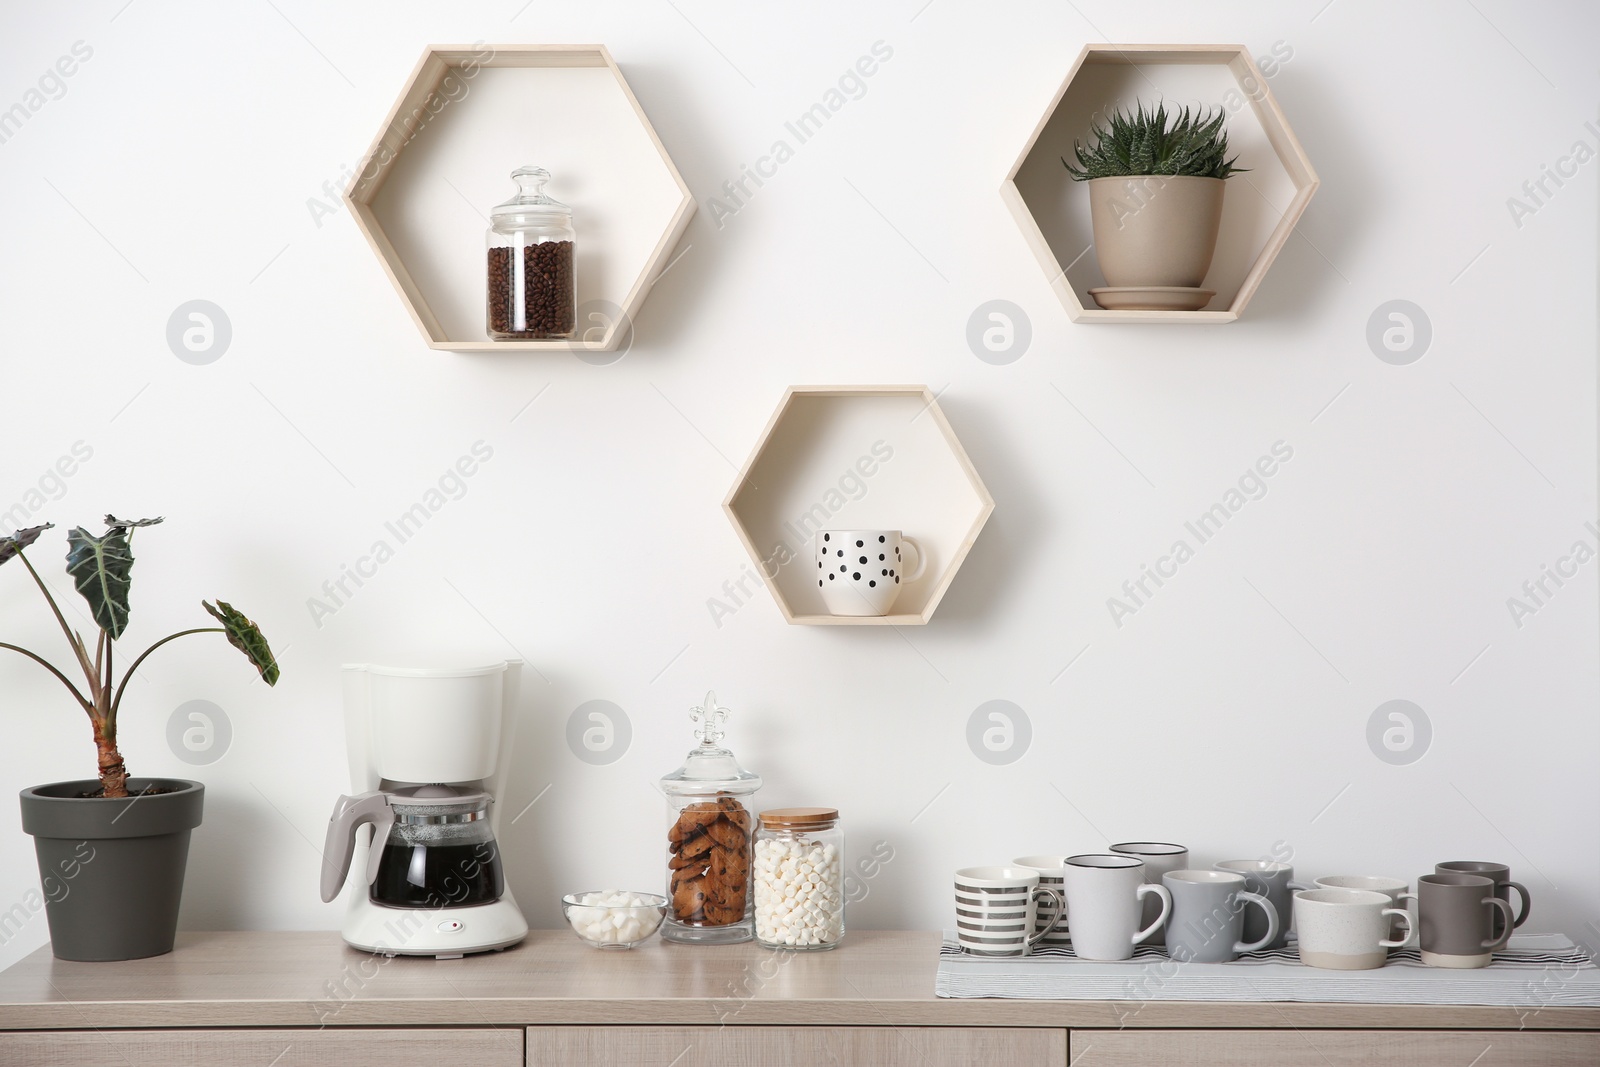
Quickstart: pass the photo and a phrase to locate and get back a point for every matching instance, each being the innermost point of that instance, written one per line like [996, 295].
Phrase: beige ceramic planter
[1153, 230]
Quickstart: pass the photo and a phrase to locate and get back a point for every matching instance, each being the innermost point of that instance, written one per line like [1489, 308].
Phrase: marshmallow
[799, 892]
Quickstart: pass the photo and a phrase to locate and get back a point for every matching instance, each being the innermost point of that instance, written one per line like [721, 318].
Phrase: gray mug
[1500, 875]
[1275, 881]
[1456, 920]
[1207, 923]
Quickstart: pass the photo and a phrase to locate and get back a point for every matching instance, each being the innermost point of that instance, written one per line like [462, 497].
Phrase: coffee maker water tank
[419, 725]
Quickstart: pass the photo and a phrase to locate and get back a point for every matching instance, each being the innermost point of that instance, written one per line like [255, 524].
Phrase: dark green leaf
[246, 636]
[101, 568]
[1181, 143]
[114, 523]
[16, 542]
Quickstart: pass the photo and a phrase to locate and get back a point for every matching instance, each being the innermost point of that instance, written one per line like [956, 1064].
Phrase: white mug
[1160, 857]
[1396, 889]
[860, 572]
[1347, 929]
[1052, 873]
[1105, 894]
[997, 910]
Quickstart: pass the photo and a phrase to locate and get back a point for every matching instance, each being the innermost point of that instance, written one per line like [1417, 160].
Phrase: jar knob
[530, 181]
[710, 716]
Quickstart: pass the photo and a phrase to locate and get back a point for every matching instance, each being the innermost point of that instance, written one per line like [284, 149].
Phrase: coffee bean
[548, 297]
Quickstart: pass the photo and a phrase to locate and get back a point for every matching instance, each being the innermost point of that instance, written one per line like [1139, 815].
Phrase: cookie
[726, 833]
[689, 900]
[698, 845]
[735, 813]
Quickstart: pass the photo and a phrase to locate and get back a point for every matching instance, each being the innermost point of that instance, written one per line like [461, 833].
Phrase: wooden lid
[799, 818]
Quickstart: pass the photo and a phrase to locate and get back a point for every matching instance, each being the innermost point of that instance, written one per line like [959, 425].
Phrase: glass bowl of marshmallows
[614, 918]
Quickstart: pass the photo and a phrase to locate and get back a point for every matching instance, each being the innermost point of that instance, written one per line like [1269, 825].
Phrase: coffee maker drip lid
[710, 768]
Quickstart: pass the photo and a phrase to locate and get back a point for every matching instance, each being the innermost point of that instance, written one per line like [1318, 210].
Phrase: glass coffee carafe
[439, 854]
[432, 847]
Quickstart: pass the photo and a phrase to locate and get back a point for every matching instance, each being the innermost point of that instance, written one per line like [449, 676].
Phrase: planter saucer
[1151, 297]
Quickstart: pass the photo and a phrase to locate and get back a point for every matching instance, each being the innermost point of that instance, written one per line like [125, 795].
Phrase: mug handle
[1410, 928]
[1055, 920]
[1295, 887]
[1144, 890]
[1527, 900]
[1510, 924]
[1272, 921]
[922, 559]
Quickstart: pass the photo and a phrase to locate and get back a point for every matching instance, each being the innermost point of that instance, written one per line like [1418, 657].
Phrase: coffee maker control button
[451, 926]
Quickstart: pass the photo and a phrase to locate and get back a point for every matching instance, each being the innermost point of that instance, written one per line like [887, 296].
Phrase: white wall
[1229, 713]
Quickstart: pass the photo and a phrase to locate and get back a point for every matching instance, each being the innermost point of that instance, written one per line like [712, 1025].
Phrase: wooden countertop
[876, 978]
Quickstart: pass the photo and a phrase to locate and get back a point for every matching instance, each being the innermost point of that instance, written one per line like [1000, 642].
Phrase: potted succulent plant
[112, 850]
[1155, 201]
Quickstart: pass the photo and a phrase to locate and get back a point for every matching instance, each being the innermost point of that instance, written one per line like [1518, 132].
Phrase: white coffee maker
[429, 751]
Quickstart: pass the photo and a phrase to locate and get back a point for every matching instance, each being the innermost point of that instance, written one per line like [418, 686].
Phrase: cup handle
[1272, 922]
[1527, 901]
[1055, 920]
[1510, 924]
[1410, 928]
[1145, 889]
[922, 559]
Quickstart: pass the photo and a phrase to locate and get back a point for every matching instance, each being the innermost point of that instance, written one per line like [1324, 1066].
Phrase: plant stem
[47, 665]
[117, 702]
[72, 639]
[102, 699]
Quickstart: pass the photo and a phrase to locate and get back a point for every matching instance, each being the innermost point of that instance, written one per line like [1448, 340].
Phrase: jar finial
[710, 716]
[530, 181]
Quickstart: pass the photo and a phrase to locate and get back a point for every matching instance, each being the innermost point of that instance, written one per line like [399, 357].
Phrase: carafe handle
[348, 814]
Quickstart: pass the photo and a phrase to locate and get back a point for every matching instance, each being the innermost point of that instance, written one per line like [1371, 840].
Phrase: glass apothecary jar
[532, 287]
[709, 839]
[799, 879]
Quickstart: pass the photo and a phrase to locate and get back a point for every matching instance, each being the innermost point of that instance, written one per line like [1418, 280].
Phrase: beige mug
[1347, 929]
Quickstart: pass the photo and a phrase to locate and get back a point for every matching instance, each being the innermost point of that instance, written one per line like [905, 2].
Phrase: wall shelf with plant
[1156, 132]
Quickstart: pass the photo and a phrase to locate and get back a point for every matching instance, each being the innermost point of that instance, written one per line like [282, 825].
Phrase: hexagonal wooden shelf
[1259, 211]
[861, 456]
[467, 117]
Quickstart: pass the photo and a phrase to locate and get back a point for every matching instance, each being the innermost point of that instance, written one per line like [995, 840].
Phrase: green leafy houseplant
[1191, 144]
[101, 568]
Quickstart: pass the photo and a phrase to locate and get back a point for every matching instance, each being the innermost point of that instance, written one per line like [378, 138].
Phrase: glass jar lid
[799, 818]
[531, 206]
[709, 768]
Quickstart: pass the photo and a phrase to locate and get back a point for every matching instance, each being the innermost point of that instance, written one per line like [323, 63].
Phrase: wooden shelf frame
[898, 411]
[422, 103]
[1280, 160]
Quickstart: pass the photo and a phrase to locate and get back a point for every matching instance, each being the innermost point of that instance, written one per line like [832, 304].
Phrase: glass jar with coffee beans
[532, 293]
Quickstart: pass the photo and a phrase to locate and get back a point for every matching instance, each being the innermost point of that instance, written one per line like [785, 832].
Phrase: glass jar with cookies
[709, 839]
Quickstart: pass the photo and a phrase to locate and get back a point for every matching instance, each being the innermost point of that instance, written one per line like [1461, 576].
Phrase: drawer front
[1332, 1048]
[804, 1046]
[259, 1048]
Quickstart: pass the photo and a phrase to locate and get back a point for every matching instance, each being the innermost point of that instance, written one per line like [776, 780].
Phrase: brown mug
[1500, 875]
[1456, 920]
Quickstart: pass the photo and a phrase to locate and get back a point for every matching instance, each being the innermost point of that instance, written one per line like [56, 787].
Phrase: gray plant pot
[112, 870]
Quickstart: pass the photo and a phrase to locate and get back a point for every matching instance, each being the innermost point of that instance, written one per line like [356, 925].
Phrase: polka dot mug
[860, 572]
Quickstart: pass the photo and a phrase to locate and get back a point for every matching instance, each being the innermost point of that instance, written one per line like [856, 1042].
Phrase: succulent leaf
[1184, 143]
